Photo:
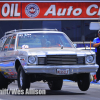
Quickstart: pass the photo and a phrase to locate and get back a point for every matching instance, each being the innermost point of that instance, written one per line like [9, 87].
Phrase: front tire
[84, 81]
[55, 84]
[3, 82]
[23, 79]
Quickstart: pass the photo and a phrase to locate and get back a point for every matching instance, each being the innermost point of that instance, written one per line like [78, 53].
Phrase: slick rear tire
[23, 79]
[84, 81]
[3, 82]
[55, 84]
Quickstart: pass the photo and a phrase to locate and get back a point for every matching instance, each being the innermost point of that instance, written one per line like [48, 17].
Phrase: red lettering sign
[10, 10]
[49, 10]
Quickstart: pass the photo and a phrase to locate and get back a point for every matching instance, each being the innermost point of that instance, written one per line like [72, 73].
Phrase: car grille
[64, 60]
[61, 60]
[81, 60]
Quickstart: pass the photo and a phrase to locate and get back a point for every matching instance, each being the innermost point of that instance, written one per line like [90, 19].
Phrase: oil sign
[49, 10]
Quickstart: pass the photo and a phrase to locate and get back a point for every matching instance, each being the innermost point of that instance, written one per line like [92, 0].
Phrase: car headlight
[31, 59]
[90, 59]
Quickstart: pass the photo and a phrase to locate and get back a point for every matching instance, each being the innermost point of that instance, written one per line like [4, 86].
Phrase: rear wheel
[23, 79]
[55, 84]
[84, 81]
[3, 82]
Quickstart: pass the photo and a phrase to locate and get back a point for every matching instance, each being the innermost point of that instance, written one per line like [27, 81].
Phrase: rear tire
[55, 84]
[3, 82]
[23, 79]
[84, 81]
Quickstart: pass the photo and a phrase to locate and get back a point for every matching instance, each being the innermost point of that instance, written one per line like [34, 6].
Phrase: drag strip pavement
[70, 91]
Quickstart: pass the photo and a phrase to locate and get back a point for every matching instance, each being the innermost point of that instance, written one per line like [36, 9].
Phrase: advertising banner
[49, 10]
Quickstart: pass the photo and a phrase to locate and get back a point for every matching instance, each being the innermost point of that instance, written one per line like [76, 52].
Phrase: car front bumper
[53, 69]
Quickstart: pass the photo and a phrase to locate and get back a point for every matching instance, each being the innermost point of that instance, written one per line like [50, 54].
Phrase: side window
[0, 45]
[2, 41]
[12, 43]
[6, 44]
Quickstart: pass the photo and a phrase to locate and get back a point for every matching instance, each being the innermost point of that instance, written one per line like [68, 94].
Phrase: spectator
[96, 44]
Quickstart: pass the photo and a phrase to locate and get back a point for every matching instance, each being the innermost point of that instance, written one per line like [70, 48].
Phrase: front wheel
[55, 84]
[23, 79]
[84, 81]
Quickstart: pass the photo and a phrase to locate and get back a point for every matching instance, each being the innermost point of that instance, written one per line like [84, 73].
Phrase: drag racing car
[30, 55]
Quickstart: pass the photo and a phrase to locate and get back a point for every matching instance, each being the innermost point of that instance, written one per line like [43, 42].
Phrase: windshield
[42, 40]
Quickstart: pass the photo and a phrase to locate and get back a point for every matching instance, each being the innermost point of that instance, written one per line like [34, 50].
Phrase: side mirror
[75, 45]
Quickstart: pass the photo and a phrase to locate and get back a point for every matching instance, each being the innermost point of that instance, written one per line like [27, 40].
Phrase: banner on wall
[49, 10]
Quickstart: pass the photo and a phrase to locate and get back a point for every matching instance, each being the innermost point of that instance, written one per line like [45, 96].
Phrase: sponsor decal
[32, 10]
[25, 46]
[11, 73]
[5, 73]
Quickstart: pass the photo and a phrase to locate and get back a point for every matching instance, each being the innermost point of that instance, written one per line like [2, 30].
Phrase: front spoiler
[50, 69]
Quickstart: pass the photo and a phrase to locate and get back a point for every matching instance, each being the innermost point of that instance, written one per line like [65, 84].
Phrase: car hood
[42, 52]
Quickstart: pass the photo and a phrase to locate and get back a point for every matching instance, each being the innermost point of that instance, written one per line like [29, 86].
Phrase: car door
[2, 41]
[8, 57]
[11, 56]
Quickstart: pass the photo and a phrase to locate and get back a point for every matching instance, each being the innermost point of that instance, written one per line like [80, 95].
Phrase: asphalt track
[69, 91]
